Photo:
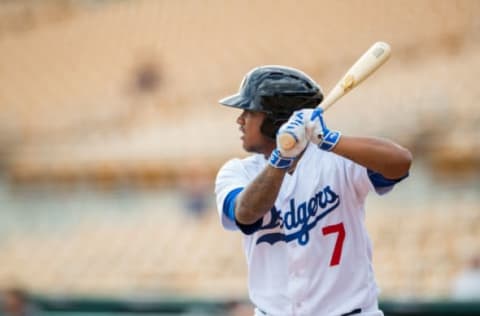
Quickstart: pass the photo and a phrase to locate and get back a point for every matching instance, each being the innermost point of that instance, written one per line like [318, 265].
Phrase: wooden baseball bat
[370, 61]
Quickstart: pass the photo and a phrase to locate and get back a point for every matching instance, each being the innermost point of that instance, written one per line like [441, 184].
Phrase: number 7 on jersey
[337, 250]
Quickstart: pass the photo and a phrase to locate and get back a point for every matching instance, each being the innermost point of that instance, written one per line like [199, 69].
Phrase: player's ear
[270, 127]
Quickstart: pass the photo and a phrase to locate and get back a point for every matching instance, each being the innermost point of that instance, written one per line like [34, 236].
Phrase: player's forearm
[259, 196]
[380, 155]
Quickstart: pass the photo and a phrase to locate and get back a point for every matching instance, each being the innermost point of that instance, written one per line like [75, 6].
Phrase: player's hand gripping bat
[373, 58]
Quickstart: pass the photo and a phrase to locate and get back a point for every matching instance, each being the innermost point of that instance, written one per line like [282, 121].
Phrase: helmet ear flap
[270, 127]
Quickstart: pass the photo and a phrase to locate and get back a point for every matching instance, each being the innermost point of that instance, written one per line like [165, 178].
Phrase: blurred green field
[196, 307]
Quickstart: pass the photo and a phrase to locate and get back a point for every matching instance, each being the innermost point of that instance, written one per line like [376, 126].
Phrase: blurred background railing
[111, 135]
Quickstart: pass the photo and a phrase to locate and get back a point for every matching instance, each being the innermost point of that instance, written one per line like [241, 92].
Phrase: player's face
[253, 139]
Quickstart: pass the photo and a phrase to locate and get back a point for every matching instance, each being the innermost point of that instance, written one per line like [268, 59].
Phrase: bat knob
[286, 141]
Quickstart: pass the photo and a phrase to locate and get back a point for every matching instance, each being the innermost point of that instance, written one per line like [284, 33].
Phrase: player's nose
[241, 118]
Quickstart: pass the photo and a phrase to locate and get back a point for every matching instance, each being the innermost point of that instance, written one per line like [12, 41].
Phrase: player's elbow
[244, 212]
[400, 165]
[246, 216]
[406, 159]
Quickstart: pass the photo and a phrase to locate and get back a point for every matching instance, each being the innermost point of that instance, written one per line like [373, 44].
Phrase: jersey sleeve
[230, 181]
[357, 179]
[365, 180]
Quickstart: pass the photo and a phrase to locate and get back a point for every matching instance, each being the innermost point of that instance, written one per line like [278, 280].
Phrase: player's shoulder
[251, 162]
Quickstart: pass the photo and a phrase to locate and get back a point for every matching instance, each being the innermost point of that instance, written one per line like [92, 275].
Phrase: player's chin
[248, 147]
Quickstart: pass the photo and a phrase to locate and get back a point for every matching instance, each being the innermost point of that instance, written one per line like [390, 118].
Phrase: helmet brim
[236, 101]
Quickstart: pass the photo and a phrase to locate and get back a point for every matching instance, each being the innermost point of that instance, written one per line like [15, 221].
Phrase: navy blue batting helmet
[277, 91]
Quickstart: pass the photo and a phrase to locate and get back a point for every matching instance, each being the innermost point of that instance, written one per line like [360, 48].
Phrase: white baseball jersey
[311, 254]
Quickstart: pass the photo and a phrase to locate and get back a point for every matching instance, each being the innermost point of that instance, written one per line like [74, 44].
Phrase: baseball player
[301, 211]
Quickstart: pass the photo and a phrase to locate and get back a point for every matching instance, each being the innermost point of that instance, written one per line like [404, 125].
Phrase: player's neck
[268, 150]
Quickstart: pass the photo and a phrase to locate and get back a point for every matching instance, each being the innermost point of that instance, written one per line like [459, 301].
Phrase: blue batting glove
[319, 134]
[276, 160]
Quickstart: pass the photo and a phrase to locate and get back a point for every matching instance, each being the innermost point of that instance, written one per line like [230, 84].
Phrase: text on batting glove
[295, 127]
[318, 133]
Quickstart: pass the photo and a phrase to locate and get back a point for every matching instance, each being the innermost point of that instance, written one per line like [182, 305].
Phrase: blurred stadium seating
[109, 110]
[418, 252]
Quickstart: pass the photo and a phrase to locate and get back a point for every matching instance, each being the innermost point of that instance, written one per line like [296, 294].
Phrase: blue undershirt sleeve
[381, 184]
[229, 203]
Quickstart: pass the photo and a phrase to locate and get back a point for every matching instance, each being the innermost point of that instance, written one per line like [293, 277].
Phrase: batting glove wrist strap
[277, 161]
[330, 140]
